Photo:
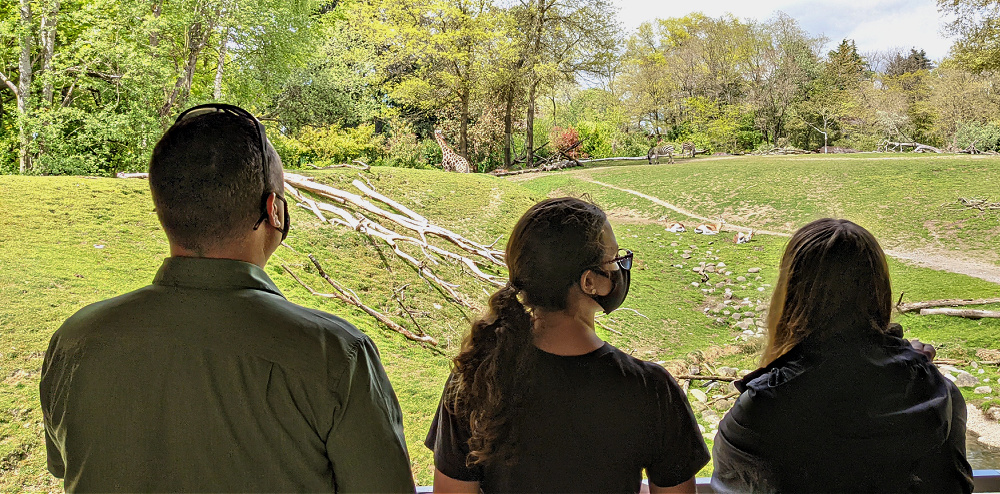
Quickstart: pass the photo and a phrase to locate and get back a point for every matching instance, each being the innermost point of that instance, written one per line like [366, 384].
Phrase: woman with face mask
[537, 401]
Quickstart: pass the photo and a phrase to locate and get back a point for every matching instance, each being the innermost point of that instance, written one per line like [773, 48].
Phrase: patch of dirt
[630, 216]
[950, 261]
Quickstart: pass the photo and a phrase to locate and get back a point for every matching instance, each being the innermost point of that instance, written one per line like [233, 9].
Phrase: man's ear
[275, 212]
[587, 283]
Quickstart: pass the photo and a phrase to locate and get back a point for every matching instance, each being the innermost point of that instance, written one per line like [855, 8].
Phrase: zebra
[687, 147]
[656, 152]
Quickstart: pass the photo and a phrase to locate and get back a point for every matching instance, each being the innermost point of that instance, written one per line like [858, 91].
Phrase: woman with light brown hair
[841, 404]
[536, 401]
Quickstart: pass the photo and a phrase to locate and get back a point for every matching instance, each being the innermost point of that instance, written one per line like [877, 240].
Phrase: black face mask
[620, 281]
[263, 216]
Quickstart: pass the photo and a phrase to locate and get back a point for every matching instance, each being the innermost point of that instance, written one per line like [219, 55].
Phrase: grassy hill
[70, 241]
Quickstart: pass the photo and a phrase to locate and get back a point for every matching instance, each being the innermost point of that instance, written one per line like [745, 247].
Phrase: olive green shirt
[209, 380]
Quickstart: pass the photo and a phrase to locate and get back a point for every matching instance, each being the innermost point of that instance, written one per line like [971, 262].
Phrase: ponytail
[489, 385]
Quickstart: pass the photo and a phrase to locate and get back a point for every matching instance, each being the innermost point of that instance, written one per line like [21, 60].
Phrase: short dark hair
[206, 178]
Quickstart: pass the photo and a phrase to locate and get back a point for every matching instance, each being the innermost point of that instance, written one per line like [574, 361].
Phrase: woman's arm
[446, 484]
[686, 487]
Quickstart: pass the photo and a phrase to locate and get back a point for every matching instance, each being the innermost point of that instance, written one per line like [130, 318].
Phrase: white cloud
[874, 25]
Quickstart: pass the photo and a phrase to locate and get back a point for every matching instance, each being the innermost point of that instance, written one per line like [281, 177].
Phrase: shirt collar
[213, 274]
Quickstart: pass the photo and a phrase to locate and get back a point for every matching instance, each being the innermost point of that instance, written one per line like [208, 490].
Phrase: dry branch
[707, 378]
[980, 204]
[361, 165]
[915, 306]
[351, 298]
[966, 313]
[131, 175]
[404, 220]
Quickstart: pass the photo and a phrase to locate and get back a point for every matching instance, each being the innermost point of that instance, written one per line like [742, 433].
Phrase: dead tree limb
[707, 378]
[351, 298]
[966, 313]
[360, 165]
[915, 306]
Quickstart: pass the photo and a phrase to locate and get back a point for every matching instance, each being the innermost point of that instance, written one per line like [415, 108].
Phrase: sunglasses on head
[265, 163]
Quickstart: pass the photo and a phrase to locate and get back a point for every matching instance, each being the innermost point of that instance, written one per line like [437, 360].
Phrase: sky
[872, 24]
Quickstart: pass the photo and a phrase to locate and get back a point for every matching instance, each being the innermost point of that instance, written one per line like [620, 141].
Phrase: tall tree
[976, 24]
[562, 39]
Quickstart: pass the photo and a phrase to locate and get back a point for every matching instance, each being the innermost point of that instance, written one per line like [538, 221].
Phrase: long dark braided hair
[550, 247]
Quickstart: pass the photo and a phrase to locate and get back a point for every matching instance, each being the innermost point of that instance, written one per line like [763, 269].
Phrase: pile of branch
[556, 161]
[980, 204]
[358, 165]
[887, 146]
[781, 151]
[359, 213]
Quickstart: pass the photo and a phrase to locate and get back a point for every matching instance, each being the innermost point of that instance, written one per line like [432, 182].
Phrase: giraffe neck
[444, 145]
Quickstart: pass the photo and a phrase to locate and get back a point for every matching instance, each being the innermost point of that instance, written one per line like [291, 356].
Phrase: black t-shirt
[590, 423]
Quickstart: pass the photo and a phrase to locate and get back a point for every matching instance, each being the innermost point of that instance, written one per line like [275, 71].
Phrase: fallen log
[361, 165]
[915, 306]
[966, 313]
[131, 175]
[618, 158]
[707, 378]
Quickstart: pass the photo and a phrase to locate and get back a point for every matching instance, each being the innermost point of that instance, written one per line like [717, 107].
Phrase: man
[208, 379]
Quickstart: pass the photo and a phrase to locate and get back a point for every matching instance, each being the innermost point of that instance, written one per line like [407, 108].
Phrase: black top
[853, 414]
[209, 380]
[590, 423]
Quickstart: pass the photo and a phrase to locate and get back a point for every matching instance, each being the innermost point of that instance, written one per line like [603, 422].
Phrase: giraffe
[450, 160]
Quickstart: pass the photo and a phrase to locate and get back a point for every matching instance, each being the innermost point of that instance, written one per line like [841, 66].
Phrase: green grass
[50, 266]
[908, 201]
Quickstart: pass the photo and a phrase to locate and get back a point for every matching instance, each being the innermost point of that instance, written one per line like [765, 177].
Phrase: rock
[728, 296]
[673, 244]
[687, 251]
[760, 289]
[721, 265]
[749, 333]
[710, 269]
[697, 269]
[744, 372]
[741, 279]
[760, 323]
[720, 320]
[701, 428]
[753, 270]
[758, 278]
[727, 371]
[720, 284]
[695, 284]
[729, 273]
[731, 387]
[965, 380]
[726, 312]
[698, 395]
[727, 301]
[744, 325]
[983, 390]
[725, 404]
[748, 314]
[948, 376]
[686, 256]
[710, 416]
[975, 365]
[678, 265]
[708, 436]
[697, 405]
[993, 413]
[694, 370]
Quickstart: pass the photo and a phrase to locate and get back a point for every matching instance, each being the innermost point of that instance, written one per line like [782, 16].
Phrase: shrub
[986, 136]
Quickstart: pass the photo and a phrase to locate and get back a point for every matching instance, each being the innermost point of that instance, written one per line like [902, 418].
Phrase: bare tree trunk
[217, 90]
[197, 39]
[463, 134]
[48, 38]
[530, 158]
[24, 85]
[154, 34]
[508, 126]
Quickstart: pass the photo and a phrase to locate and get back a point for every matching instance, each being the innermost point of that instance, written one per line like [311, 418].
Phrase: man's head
[217, 184]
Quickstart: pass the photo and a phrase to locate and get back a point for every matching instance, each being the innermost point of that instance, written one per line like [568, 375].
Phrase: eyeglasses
[624, 260]
[240, 112]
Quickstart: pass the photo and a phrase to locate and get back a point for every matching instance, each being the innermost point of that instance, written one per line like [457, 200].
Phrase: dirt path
[935, 260]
